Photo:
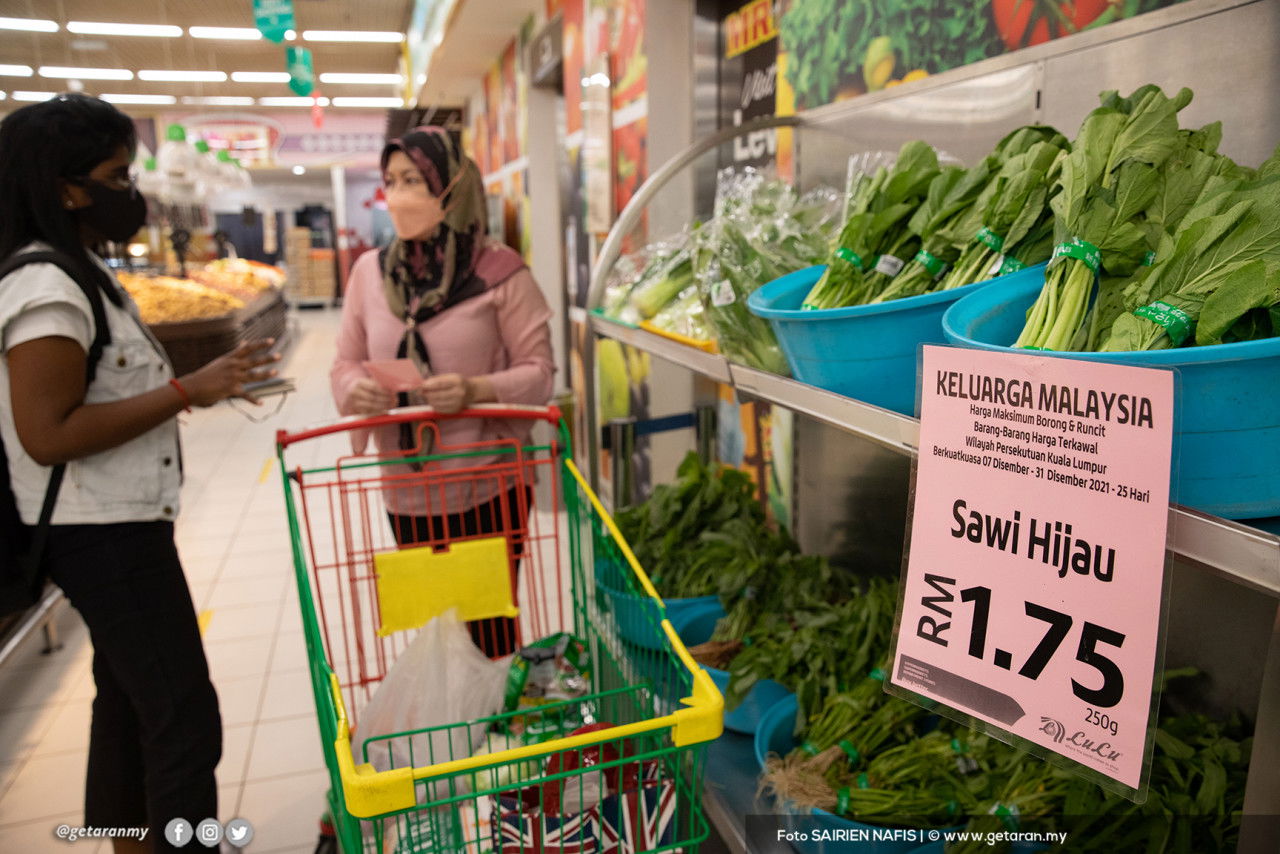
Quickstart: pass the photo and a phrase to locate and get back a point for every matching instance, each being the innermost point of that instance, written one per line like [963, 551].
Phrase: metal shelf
[708, 364]
[1246, 555]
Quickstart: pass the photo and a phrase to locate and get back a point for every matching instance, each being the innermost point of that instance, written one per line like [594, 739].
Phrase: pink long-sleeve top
[501, 335]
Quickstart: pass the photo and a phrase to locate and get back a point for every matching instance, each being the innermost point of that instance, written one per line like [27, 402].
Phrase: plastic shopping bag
[440, 680]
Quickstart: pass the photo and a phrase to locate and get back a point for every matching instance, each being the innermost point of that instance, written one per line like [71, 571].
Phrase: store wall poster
[1035, 572]
[748, 82]
[574, 56]
[840, 49]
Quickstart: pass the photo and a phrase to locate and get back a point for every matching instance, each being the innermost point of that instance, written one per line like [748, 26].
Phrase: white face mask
[416, 216]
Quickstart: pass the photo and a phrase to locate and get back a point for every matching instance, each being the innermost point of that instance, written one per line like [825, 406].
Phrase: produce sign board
[1034, 578]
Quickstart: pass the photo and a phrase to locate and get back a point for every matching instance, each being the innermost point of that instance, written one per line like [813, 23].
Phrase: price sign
[1037, 549]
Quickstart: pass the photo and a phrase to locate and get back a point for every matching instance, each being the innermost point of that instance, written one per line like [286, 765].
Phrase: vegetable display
[1106, 185]
[762, 230]
[917, 227]
[874, 758]
[1161, 241]
[879, 208]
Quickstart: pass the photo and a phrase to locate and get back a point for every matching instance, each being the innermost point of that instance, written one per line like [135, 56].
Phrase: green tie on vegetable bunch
[762, 230]
[952, 214]
[1217, 279]
[1015, 217]
[1106, 185]
[879, 208]
[948, 207]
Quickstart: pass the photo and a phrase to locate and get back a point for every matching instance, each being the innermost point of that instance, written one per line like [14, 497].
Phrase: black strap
[101, 340]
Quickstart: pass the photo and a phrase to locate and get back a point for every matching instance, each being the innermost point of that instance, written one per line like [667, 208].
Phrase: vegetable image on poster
[838, 49]
[1033, 589]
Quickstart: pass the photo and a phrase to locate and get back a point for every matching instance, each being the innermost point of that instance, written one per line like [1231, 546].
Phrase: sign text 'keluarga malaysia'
[1036, 554]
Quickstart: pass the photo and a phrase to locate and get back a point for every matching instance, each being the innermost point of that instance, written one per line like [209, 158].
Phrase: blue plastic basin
[695, 625]
[1227, 444]
[639, 618]
[777, 735]
[867, 352]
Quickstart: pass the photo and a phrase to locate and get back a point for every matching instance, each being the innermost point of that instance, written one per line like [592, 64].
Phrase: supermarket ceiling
[158, 54]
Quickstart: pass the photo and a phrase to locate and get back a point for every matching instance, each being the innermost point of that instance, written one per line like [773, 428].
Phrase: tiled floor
[232, 535]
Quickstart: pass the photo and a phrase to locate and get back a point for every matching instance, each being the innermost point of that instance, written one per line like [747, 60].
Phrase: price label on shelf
[1036, 555]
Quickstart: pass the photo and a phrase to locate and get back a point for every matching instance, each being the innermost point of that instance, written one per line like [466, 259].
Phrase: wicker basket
[194, 343]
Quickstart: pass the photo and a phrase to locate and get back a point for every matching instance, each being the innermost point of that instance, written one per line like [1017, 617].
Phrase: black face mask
[115, 214]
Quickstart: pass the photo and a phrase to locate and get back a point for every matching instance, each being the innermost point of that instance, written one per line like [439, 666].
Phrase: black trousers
[503, 514]
[156, 735]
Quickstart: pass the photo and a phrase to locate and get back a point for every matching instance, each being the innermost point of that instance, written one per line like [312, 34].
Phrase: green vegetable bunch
[762, 230]
[1217, 277]
[879, 208]
[822, 636]
[1106, 185]
[1015, 221]
[665, 270]
[686, 530]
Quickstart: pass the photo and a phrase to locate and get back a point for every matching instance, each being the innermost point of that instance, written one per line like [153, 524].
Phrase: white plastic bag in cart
[440, 679]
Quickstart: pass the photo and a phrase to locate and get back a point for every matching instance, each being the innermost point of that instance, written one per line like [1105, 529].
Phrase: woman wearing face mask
[472, 320]
[107, 429]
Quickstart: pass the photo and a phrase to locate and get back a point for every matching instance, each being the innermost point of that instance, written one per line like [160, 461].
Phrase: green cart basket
[619, 769]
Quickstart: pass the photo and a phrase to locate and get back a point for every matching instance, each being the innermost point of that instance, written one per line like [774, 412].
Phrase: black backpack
[22, 574]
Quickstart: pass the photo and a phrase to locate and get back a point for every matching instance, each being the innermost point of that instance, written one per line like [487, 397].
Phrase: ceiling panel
[137, 53]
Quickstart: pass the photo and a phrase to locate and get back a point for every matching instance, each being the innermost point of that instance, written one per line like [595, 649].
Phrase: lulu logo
[750, 26]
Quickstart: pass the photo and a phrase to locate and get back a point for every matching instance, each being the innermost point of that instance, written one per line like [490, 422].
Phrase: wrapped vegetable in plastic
[762, 230]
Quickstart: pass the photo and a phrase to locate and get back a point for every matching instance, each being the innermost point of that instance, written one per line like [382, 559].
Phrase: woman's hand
[226, 376]
[367, 397]
[448, 393]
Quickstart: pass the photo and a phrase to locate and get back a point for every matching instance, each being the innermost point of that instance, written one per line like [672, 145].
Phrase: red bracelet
[182, 392]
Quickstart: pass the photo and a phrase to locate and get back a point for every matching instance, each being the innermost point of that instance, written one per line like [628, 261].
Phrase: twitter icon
[239, 832]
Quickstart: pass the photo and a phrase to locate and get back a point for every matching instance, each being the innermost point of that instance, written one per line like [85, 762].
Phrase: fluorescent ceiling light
[247, 34]
[30, 25]
[176, 76]
[3, 96]
[299, 170]
[139, 99]
[85, 73]
[260, 76]
[352, 36]
[219, 101]
[368, 102]
[98, 28]
[290, 101]
[16, 71]
[344, 77]
[34, 96]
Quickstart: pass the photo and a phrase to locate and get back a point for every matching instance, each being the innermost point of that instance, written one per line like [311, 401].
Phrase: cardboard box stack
[311, 274]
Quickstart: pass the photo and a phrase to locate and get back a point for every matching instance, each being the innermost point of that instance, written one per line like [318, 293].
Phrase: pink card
[395, 375]
[1036, 560]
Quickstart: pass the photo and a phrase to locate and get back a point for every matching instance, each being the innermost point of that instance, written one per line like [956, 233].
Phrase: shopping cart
[630, 783]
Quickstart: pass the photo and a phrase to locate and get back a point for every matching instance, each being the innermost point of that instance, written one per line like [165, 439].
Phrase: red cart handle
[550, 414]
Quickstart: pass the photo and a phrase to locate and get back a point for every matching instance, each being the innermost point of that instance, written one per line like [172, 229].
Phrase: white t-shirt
[135, 482]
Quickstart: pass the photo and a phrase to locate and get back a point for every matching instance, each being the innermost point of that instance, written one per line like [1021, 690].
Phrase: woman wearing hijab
[469, 316]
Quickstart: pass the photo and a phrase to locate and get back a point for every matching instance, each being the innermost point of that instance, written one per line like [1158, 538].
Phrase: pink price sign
[1037, 549]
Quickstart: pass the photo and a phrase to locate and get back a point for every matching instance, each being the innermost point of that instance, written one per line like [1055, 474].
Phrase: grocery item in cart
[548, 671]
[439, 680]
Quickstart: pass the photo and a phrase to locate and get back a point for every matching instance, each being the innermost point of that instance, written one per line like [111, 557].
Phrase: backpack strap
[101, 339]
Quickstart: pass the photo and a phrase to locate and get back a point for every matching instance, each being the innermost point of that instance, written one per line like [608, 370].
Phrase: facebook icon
[178, 832]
